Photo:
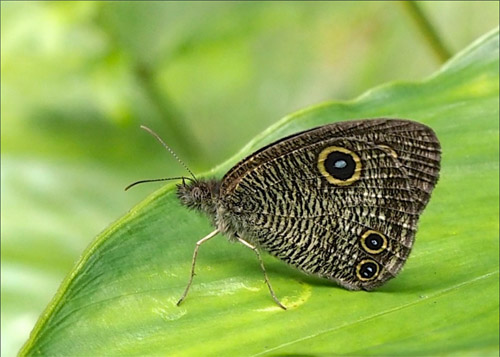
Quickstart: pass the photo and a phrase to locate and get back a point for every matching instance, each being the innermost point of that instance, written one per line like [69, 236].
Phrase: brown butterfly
[340, 201]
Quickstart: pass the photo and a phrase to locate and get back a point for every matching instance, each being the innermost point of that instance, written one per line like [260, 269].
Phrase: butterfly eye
[373, 242]
[367, 270]
[339, 165]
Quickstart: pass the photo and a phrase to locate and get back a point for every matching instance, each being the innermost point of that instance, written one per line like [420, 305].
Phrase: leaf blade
[121, 297]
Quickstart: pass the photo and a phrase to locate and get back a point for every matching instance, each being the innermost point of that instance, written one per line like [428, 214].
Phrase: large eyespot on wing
[339, 166]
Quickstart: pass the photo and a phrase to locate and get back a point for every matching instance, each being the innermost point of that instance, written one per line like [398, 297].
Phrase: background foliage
[78, 79]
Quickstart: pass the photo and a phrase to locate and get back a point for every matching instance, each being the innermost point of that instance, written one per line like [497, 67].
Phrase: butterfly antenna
[169, 150]
[159, 179]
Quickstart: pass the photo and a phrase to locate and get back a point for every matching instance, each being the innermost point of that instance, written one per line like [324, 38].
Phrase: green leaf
[120, 297]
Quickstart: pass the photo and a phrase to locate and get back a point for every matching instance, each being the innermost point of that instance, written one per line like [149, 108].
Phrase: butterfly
[340, 201]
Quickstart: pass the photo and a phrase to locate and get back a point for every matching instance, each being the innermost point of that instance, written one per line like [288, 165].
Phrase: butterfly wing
[340, 201]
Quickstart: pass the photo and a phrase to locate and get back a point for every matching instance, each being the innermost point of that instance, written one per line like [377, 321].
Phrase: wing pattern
[357, 231]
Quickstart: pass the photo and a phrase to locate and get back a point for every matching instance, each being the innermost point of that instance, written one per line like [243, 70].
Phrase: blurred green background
[78, 78]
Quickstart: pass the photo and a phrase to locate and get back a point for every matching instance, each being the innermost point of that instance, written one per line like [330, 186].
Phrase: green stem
[428, 30]
[173, 119]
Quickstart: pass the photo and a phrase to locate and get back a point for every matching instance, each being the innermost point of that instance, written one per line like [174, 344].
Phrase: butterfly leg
[246, 244]
[195, 254]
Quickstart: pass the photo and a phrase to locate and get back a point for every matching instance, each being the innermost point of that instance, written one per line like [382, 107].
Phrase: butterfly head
[201, 195]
